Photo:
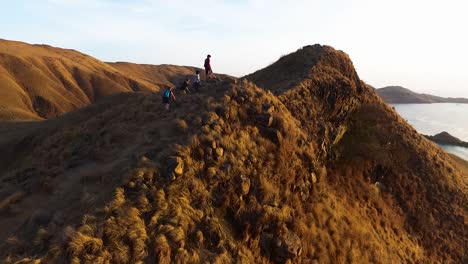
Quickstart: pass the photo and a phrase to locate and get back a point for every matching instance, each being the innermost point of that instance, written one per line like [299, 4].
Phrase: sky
[418, 44]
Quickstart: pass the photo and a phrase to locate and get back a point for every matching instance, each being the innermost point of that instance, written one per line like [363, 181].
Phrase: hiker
[208, 70]
[196, 81]
[184, 88]
[166, 98]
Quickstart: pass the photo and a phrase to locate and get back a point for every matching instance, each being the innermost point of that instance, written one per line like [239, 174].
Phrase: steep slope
[379, 147]
[40, 81]
[235, 173]
[400, 95]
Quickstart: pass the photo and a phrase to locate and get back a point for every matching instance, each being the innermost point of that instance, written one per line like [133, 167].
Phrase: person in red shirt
[208, 70]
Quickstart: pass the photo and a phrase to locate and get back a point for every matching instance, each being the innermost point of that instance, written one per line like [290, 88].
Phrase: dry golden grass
[239, 175]
[40, 81]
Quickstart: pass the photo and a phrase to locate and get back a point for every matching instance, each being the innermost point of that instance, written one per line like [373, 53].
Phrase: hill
[40, 82]
[158, 75]
[445, 138]
[306, 165]
[400, 95]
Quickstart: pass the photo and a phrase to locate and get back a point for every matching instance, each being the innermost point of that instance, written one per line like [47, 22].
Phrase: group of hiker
[185, 88]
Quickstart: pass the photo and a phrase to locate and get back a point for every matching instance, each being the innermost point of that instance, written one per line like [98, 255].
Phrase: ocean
[431, 119]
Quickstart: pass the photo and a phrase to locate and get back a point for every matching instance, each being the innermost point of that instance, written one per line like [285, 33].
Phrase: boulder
[179, 168]
[174, 168]
[288, 246]
[281, 249]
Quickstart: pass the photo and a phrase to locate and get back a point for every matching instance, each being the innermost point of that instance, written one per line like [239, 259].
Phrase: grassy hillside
[40, 81]
[378, 147]
[305, 166]
[162, 75]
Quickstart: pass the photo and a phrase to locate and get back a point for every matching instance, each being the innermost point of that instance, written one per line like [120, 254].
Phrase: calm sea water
[431, 119]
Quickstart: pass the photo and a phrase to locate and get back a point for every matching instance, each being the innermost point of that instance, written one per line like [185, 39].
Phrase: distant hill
[401, 95]
[41, 82]
[445, 138]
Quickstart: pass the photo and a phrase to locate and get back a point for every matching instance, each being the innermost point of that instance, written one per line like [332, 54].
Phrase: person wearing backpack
[208, 70]
[167, 96]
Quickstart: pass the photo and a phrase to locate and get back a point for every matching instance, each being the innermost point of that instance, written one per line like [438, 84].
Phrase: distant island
[401, 95]
[445, 138]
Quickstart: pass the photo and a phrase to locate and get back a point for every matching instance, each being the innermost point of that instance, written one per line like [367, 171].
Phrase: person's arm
[173, 97]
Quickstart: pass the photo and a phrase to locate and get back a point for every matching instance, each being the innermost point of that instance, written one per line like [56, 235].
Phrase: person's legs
[166, 103]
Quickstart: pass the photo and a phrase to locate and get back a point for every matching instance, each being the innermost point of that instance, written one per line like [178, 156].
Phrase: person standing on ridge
[208, 70]
[167, 96]
[196, 81]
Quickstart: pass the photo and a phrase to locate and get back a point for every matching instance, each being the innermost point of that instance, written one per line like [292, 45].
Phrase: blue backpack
[167, 93]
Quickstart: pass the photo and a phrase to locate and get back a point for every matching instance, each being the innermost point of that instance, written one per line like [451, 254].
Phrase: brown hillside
[321, 171]
[430, 191]
[39, 81]
[160, 75]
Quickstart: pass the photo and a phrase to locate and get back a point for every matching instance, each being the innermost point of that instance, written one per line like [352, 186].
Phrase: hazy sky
[419, 44]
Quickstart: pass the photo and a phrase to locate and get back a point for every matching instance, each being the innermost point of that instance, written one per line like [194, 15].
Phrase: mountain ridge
[299, 162]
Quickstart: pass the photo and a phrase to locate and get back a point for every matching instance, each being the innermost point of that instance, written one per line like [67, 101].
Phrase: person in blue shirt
[168, 94]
